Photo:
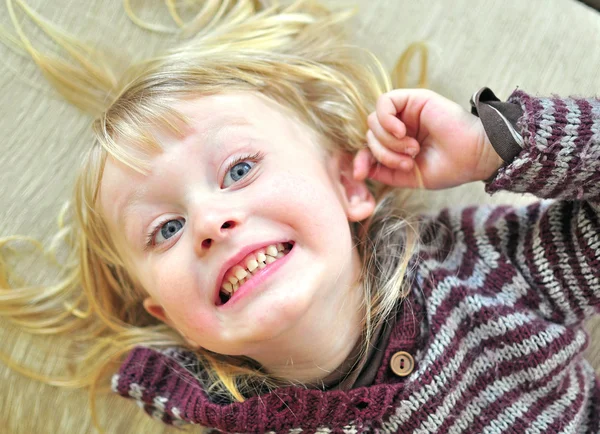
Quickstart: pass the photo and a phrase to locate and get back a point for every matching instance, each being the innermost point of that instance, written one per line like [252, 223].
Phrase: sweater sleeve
[555, 244]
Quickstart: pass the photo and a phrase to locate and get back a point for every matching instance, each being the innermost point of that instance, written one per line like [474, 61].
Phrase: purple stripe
[507, 368]
[496, 407]
[584, 134]
[550, 241]
[594, 422]
[542, 403]
[573, 240]
[570, 411]
[590, 187]
[548, 157]
[530, 107]
[506, 400]
[470, 257]
[436, 237]
[509, 223]
[507, 177]
[502, 369]
[545, 401]
[588, 256]
[533, 213]
[185, 396]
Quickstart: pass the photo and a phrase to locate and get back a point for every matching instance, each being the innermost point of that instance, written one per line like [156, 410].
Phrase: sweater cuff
[499, 121]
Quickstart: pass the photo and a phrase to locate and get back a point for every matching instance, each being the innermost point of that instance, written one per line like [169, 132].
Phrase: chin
[275, 322]
[269, 326]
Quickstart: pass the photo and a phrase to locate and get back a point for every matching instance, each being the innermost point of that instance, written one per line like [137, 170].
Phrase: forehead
[209, 114]
[213, 119]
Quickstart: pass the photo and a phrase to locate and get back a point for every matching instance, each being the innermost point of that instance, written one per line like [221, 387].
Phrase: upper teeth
[255, 261]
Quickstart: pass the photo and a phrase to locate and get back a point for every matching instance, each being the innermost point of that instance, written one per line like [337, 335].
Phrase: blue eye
[237, 171]
[167, 230]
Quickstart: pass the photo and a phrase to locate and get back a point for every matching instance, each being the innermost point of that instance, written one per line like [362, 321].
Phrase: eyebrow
[212, 133]
[132, 200]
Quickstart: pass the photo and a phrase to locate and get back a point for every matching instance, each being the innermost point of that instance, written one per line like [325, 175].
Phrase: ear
[156, 310]
[359, 201]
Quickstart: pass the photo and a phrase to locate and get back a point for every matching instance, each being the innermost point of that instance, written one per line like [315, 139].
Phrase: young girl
[233, 227]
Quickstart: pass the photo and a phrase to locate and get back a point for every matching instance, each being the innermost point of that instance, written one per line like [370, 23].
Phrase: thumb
[396, 177]
[363, 161]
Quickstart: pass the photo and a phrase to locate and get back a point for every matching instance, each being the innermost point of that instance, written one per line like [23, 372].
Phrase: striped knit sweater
[494, 323]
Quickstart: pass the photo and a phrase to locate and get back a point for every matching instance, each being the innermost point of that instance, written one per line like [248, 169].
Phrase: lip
[236, 259]
[249, 286]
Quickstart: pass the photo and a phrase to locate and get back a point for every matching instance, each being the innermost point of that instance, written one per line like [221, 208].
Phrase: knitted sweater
[494, 322]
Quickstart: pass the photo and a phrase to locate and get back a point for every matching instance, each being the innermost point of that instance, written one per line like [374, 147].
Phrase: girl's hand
[418, 138]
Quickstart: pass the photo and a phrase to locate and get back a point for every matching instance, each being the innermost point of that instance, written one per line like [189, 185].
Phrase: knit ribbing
[493, 321]
[148, 375]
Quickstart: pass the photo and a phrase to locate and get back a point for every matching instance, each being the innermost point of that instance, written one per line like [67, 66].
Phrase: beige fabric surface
[543, 46]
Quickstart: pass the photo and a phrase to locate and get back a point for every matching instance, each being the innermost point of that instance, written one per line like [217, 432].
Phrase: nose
[213, 226]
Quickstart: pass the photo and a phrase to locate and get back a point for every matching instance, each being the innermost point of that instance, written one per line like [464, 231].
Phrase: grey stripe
[504, 385]
[472, 340]
[550, 285]
[592, 240]
[523, 182]
[590, 157]
[470, 305]
[563, 263]
[545, 129]
[453, 261]
[591, 153]
[486, 250]
[545, 419]
[484, 362]
[590, 377]
[405, 408]
[567, 148]
[521, 257]
[114, 383]
[508, 417]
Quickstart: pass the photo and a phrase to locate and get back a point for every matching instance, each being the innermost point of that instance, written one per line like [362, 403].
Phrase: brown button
[402, 363]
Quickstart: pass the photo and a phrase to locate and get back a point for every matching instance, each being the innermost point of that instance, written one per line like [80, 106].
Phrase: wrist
[492, 162]
[499, 120]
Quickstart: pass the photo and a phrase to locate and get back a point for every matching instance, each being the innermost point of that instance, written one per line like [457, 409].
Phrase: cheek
[304, 195]
[315, 206]
[174, 290]
[191, 316]
[175, 285]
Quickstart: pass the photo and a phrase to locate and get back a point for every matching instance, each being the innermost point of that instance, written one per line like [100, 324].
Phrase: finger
[407, 145]
[387, 111]
[386, 157]
[383, 136]
[362, 164]
[408, 105]
[395, 178]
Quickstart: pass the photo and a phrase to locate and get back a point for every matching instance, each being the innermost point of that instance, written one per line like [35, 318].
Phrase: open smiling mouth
[254, 264]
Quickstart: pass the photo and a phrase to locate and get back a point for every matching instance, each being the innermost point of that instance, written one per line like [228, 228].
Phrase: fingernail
[412, 152]
[406, 165]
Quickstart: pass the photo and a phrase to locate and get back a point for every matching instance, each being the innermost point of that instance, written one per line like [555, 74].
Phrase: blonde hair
[295, 54]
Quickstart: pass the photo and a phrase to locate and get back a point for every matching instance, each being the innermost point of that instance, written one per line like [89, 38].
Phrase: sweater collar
[168, 387]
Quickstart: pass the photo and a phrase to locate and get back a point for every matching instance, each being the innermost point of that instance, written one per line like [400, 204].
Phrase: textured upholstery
[543, 46]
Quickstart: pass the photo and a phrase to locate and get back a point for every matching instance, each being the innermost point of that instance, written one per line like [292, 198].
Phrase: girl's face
[247, 175]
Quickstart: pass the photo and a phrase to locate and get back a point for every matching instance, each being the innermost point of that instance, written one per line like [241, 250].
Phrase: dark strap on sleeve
[499, 120]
